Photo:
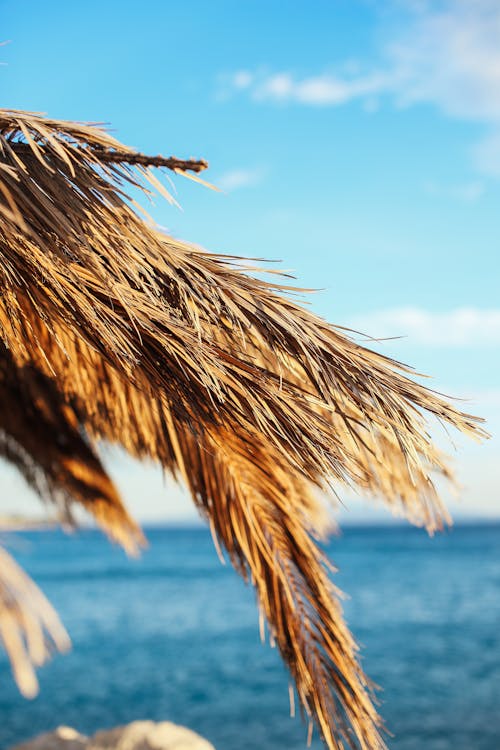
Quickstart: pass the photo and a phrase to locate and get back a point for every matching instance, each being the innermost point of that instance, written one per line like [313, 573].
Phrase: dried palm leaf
[29, 627]
[114, 331]
[41, 434]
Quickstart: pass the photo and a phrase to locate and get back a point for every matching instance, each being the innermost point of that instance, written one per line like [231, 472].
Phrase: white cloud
[450, 56]
[464, 192]
[446, 54]
[236, 179]
[321, 90]
[318, 90]
[242, 79]
[462, 327]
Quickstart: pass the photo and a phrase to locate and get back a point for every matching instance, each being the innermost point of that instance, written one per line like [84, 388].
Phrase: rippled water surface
[175, 636]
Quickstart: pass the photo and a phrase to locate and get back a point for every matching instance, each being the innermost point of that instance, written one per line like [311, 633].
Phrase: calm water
[174, 636]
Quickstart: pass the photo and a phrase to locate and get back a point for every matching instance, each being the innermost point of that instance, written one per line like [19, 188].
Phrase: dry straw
[112, 331]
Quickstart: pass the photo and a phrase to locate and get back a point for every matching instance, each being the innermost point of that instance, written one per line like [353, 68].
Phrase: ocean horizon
[174, 636]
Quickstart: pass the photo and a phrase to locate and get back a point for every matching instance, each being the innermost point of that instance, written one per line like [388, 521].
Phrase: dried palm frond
[42, 435]
[114, 331]
[29, 627]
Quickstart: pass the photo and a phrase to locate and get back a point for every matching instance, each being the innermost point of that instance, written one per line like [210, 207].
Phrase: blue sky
[358, 144]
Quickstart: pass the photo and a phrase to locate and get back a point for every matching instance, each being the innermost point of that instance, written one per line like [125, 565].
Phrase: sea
[174, 636]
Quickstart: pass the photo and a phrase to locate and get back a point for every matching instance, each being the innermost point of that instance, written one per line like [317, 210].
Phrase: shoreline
[14, 525]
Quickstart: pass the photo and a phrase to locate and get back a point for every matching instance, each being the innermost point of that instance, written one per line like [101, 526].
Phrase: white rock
[146, 735]
[64, 738]
[140, 735]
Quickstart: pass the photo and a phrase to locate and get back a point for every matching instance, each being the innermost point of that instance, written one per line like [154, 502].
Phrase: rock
[146, 735]
[140, 735]
[64, 738]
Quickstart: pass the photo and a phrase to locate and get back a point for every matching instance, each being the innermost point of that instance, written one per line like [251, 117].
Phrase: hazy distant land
[16, 522]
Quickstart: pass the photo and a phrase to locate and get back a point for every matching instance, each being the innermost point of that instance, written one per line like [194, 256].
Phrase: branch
[170, 162]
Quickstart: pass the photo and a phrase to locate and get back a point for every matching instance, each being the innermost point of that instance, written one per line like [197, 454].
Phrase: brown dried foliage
[113, 331]
[29, 627]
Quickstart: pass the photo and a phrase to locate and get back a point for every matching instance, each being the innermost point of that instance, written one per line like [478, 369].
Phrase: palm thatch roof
[113, 331]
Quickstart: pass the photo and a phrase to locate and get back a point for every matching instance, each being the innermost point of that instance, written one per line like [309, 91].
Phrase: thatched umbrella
[112, 331]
